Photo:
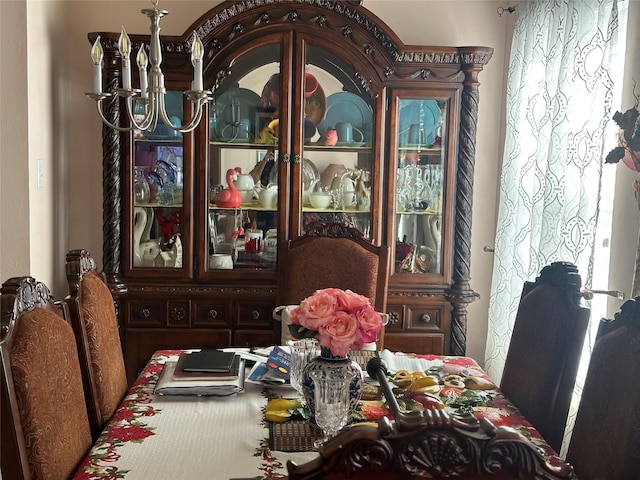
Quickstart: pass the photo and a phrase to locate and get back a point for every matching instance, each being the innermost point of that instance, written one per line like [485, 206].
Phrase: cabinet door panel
[158, 228]
[338, 141]
[423, 179]
[243, 182]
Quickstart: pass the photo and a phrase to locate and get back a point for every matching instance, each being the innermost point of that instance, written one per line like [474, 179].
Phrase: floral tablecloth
[189, 437]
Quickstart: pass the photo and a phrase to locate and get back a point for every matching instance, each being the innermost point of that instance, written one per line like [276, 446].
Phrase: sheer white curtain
[564, 81]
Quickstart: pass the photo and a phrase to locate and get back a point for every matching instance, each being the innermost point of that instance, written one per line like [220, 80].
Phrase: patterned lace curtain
[565, 56]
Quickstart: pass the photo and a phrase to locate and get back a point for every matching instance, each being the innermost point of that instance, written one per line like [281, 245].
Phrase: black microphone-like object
[378, 370]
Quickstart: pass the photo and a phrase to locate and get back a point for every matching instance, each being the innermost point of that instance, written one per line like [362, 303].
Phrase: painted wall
[14, 168]
[65, 132]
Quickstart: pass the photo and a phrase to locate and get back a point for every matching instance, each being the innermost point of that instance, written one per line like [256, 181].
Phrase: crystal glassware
[141, 189]
[301, 352]
[332, 403]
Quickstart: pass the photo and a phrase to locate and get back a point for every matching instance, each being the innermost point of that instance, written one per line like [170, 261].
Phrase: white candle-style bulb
[197, 53]
[124, 46]
[97, 54]
[142, 61]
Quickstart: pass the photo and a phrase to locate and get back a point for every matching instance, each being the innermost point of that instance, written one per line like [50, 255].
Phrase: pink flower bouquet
[341, 320]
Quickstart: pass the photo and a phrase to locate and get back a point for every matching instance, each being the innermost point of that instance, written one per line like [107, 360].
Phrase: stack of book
[206, 372]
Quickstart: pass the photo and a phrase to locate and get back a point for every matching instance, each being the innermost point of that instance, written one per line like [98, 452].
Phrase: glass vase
[141, 189]
[328, 365]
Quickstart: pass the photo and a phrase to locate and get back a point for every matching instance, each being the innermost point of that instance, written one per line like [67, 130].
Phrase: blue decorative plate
[233, 106]
[347, 107]
[421, 112]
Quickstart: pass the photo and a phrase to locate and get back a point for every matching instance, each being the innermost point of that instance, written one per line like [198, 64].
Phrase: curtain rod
[501, 10]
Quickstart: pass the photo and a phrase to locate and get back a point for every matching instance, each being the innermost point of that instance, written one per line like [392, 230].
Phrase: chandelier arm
[108, 123]
[196, 119]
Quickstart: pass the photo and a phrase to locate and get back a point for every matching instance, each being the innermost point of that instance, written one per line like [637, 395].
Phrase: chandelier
[146, 105]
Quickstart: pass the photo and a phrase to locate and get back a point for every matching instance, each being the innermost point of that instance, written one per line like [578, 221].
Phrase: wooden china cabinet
[323, 114]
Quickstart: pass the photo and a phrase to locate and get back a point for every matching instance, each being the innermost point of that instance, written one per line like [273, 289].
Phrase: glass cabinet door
[244, 131]
[157, 192]
[419, 185]
[337, 145]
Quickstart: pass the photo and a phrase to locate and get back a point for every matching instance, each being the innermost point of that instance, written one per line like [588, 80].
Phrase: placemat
[297, 435]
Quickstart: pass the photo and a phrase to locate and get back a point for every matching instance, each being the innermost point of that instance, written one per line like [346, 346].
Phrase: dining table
[152, 436]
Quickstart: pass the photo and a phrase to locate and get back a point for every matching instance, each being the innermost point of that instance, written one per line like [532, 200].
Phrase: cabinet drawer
[417, 318]
[146, 313]
[211, 314]
[255, 314]
[423, 318]
[178, 313]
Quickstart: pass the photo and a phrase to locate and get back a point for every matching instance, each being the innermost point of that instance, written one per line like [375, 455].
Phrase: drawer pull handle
[146, 313]
[424, 318]
[178, 314]
[212, 313]
[255, 314]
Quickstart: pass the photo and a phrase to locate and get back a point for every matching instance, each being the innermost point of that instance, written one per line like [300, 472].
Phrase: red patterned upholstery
[99, 317]
[44, 385]
[93, 316]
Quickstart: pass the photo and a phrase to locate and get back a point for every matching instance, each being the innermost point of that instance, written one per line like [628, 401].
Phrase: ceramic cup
[347, 133]
[268, 197]
[222, 261]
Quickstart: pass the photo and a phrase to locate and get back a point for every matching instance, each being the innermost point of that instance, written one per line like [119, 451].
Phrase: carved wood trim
[432, 444]
[334, 230]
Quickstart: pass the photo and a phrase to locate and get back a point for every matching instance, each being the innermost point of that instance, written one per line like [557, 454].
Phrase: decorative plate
[347, 107]
[235, 105]
[421, 112]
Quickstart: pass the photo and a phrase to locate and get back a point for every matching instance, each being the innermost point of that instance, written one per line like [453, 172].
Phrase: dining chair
[545, 347]
[45, 427]
[605, 441]
[334, 255]
[95, 324]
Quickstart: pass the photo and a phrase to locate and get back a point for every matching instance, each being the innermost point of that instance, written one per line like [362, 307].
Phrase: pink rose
[315, 311]
[370, 324]
[351, 301]
[340, 334]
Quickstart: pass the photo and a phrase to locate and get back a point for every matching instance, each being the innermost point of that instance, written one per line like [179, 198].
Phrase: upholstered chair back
[333, 255]
[545, 348]
[94, 320]
[45, 417]
[605, 440]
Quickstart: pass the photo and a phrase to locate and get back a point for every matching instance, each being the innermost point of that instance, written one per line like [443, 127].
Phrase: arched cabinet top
[234, 21]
